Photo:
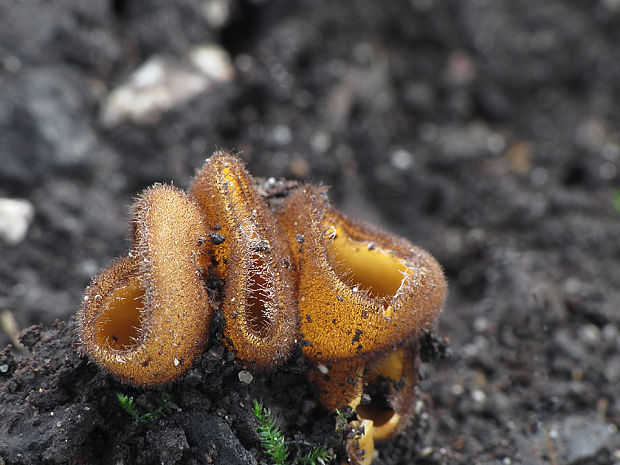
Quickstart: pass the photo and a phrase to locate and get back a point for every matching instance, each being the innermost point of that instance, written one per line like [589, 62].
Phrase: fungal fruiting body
[146, 316]
[361, 446]
[357, 296]
[364, 295]
[253, 258]
[361, 290]
[390, 381]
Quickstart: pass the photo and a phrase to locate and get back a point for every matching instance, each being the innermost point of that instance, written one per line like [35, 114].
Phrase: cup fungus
[146, 316]
[254, 259]
[359, 295]
[361, 290]
[364, 295]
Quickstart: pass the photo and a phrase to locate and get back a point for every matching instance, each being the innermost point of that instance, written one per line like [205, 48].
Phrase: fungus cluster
[357, 296]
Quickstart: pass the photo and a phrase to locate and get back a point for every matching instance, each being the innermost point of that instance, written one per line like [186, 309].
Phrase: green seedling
[127, 404]
[276, 447]
[270, 435]
[318, 455]
[341, 421]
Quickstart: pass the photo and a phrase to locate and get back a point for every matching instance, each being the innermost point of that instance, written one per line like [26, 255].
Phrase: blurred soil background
[485, 131]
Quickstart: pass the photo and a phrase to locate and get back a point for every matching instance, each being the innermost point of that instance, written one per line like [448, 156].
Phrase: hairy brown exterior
[254, 259]
[364, 295]
[340, 383]
[361, 290]
[146, 316]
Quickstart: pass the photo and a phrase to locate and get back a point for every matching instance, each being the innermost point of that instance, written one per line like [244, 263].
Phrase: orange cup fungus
[146, 317]
[361, 290]
[260, 289]
[358, 296]
[363, 295]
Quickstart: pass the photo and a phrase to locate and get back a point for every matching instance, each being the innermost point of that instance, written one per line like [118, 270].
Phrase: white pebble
[245, 377]
[322, 368]
[479, 396]
[162, 83]
[402, 159]
[16, 215]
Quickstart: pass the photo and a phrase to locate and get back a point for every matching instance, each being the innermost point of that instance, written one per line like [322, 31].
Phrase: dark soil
[484, 131]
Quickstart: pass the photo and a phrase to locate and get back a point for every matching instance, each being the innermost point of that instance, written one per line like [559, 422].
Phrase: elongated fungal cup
[146, 316]
[255, 259]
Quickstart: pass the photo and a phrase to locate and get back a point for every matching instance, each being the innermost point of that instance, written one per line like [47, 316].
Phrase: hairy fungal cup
[361, 290]
[253, 256]
[364, 296]
[146, 317]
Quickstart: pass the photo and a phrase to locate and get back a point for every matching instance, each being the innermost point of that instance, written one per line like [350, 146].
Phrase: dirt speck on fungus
[485, 132]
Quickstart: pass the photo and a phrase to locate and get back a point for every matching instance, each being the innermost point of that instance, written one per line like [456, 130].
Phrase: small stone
[16, 215]
[457, 389]
[322, 368]
[479, 396]
[162, 83]
[426, 452]
[575, 439]
[282, 134]
[245, 377]
[481, 324]
[321, 142]
[402, 159]
[213, 62]
[4, 368]
[582, 438]
[590, 334]
[217, 12]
